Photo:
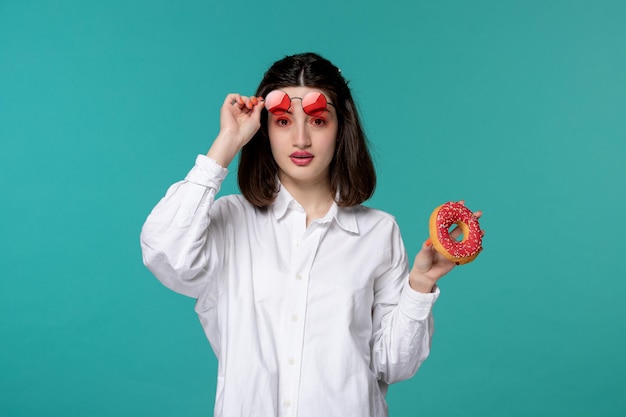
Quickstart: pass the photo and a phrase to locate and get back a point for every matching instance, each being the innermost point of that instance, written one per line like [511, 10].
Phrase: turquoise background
[518, 107]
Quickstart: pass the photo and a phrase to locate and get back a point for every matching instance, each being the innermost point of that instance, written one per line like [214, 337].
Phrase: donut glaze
[442, 218]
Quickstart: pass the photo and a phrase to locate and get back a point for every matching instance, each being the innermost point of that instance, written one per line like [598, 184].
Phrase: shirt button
[294, 317]
[291, 361]
[287, 403]
[298, 277]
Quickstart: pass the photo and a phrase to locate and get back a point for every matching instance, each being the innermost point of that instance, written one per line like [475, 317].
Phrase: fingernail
[254, 100]
[428, 242]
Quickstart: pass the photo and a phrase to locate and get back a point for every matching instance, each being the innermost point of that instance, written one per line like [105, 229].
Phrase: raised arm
[176, 242]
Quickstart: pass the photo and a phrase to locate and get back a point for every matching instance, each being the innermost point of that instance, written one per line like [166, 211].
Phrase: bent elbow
[179, 273]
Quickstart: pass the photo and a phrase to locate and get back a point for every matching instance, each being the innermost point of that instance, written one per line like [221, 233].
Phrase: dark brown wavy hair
[352, 174]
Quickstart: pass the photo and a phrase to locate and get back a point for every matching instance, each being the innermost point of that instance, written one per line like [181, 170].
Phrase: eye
[318, 121]
[282, 122]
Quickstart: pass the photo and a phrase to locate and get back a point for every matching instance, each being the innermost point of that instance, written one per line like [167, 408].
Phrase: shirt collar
[282, 202]
[344, 216]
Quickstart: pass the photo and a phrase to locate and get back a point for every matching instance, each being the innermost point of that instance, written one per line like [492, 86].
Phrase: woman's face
[303, 145]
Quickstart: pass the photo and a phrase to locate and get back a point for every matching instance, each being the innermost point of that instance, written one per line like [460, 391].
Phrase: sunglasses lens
[277, 102]
[314, 103]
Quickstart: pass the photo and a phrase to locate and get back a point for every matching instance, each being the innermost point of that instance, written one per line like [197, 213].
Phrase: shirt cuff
[207, 172]
[417, 305]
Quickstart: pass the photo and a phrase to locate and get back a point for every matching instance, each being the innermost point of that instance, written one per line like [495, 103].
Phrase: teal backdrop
[518, 107]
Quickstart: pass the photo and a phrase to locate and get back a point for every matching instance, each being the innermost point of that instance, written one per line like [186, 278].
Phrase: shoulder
[366, 212]
[380, 229]
[236, 206]
[233, 200]
[233, 203]
[370, 218]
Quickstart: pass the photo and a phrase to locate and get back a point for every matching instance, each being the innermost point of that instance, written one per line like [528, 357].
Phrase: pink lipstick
[301, 158]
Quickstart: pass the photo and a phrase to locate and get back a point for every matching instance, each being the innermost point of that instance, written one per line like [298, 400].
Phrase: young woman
[304, 294]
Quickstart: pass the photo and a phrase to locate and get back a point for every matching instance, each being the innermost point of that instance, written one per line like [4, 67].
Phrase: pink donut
[442, 218]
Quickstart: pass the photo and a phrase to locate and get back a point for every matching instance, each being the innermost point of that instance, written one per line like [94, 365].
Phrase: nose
[301, 136]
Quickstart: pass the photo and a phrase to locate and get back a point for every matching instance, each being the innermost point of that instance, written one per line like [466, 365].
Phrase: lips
[301, 158]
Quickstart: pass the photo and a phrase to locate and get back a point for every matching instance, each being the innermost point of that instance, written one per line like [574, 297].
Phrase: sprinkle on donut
[442, 218]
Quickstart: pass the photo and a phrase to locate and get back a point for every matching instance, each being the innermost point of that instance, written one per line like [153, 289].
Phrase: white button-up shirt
[304, 322]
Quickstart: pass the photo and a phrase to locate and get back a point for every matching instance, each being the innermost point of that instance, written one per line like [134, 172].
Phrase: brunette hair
[351, 171]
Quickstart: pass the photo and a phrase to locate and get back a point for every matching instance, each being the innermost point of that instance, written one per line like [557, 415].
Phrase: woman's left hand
[429, 265]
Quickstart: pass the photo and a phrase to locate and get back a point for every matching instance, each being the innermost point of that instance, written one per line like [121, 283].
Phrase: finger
[232, 99]
[455, 233]
[478, 213]
[424, 258]
[253, 103]
[461, 229]
[256, 111]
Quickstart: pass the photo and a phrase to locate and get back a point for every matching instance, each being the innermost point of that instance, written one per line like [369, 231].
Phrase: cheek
[273, 148]
[278, 142]
[331, 141]
[330, 146]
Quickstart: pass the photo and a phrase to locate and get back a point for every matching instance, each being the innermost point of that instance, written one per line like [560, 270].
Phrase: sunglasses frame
[314, 103]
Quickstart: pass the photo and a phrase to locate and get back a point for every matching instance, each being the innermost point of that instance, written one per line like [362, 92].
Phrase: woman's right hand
[240, 118]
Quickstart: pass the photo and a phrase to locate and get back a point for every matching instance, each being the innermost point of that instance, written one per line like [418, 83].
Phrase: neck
[315, 198]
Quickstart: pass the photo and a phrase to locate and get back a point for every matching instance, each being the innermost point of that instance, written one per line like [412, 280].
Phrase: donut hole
[459, 238]
[463, 228]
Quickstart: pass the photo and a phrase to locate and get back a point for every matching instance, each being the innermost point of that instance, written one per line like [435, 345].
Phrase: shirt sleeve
[402, 319]
[174, 239]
